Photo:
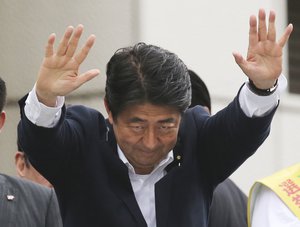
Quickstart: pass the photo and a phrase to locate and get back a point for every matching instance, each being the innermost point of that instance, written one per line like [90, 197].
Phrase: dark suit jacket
[229, 206]
[27, 204]
[79, 157]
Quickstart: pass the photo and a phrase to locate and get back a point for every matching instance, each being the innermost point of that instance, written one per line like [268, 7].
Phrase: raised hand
[58, 75]
[264, 58]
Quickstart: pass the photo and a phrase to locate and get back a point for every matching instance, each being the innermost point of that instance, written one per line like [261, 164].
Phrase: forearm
[231, 137]
[40, 114]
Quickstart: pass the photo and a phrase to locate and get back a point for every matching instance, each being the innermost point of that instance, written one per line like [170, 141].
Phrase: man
[153, 162]
[229, 203]
[23, 203]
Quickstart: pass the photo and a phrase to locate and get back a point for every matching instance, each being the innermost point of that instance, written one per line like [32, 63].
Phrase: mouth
[148, 153]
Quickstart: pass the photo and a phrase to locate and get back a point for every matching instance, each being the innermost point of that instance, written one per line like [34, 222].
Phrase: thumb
[242, 63]
[83, 78]
[238, 59]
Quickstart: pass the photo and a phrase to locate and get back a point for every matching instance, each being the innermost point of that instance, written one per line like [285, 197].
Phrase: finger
[262, 28]
[49, 46]
[83, 78]
[253, 38]
[85, 50]
[62, 47]
[285, 35]
[72, 46]
[271, 29]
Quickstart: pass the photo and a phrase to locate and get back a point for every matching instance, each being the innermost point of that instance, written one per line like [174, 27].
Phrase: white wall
[25, 27]
[204, 34]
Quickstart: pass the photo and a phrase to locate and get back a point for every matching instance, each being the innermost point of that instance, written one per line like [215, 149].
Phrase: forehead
[149, 113]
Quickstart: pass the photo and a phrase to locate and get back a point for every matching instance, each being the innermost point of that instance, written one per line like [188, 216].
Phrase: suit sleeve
[226, 139]
[57, 152]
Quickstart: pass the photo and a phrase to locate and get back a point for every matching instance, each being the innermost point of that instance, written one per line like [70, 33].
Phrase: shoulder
[267, 198]
[193, 120]
[86, 116]
[24, 186]
[268, 209]
[38, 201]
[197, 113]
[80, 109]
[25, 192]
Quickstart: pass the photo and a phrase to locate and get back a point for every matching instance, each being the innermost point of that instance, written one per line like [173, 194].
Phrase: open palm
[264, 58]
[58, 75]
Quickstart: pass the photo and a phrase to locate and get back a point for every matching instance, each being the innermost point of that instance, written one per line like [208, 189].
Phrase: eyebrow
[139, 120]
[168, 120]
[135, 120]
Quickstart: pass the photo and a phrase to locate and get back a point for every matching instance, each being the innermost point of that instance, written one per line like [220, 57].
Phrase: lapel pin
[10, 197]
[178, 157]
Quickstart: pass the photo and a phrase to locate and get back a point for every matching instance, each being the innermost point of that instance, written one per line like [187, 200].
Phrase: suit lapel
[163, 193]
[120, 182]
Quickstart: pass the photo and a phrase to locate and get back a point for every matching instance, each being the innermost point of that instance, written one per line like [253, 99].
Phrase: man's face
[146, 133]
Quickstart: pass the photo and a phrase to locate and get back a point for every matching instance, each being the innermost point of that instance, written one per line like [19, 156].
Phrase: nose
[150, 139]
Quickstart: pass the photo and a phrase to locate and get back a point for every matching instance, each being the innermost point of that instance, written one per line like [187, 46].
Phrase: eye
[166, 128]
[163, 127]
[137, 128]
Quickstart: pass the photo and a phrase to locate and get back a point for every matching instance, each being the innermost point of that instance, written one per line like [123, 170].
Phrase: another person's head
[147, 90]
[2, 102]
[26, 170]
[200, 93]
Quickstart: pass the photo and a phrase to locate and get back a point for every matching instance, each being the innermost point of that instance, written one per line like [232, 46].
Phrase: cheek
[170, 142]
[169, 139]
[126, 137]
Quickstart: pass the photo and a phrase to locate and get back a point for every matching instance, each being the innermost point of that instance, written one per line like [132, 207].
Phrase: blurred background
[203, 34]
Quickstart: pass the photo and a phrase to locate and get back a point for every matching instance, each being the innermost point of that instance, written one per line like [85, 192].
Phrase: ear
[2, 119]
[20, 163]
[110, 117]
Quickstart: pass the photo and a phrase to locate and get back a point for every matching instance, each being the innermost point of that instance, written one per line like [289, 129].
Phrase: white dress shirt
[143, 185]
[270, 211]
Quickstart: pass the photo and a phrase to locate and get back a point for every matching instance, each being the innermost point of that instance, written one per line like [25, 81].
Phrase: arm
[58, 76]
[237, 131]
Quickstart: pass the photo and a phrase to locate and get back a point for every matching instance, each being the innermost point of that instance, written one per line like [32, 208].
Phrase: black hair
[2, 94]
[146, 73]
[200, 93]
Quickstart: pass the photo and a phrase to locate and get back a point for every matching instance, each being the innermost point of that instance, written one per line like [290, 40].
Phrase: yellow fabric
[286, 184]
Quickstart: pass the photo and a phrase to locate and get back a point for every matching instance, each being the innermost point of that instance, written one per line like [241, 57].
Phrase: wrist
[47, 100]
[259, 91]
